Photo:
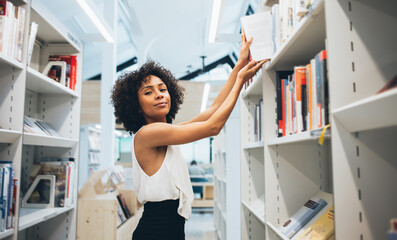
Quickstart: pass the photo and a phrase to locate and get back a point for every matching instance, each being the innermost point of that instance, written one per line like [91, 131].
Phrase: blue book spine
[1, 197]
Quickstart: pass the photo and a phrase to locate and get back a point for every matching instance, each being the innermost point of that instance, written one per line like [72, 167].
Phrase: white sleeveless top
[171, 181]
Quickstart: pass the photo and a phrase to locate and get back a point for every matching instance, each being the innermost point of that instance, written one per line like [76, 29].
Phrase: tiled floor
[201, 226]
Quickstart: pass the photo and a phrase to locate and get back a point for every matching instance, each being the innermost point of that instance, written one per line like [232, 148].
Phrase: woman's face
[154, 99]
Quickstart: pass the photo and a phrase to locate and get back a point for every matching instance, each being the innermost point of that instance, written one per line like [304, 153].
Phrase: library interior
[284, 128]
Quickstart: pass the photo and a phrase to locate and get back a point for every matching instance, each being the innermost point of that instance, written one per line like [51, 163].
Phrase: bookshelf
[226, 157]
[25, 91]
[355, 168]
[90, 147]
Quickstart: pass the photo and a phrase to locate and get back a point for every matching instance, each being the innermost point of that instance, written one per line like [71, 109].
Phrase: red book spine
[283, 87]
[73, 72]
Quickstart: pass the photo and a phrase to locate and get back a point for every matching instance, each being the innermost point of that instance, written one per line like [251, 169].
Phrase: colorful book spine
[300, 103]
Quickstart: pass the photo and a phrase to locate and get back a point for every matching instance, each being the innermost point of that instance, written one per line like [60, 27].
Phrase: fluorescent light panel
[216, 11]
[83, 4]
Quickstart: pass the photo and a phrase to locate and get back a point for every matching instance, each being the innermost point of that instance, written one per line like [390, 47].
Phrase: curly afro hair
[125, 95]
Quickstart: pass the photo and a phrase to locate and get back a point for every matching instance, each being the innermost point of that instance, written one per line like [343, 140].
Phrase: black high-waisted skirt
[160, 220]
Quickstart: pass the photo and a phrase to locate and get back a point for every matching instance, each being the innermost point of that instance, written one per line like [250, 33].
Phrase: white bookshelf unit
[355, 168]
[25, 91]
[226, 158]
[90, 149]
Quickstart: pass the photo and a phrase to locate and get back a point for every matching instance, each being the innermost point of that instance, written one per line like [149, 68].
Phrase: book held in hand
[260, 27]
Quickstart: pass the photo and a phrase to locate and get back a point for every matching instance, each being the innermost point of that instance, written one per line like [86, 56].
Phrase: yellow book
[322, 228]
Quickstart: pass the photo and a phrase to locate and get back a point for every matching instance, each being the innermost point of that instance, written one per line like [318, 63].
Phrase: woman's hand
[249, 71]
[244, 50]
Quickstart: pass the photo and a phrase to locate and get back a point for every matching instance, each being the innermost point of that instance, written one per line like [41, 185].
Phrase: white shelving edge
[31, 216]
[365, 114]
[305, 28]
[4, 59]
[40, 83]
[6, 233]
[255, 145]
[254, 212]
[41, 140]
[8, 136]
[313, 135]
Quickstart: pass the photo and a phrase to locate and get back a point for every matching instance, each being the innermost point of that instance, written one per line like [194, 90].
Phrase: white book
[32, 38]
[314, 94]
[11, 32]
[276, 27]
[5, 27]
[260, 27]
[21, 33]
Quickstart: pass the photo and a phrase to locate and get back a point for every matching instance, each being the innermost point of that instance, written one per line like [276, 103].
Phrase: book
[123, 206]
[21, 16]
[6, 15]
[309, 112]
[32, 38]
[302, 216]
[300, 100]
[389, 85]
[322, 229]
[313, 90]
[260, 27]
[120, 216]
[5, 193]
[36, 126]
[71, 68]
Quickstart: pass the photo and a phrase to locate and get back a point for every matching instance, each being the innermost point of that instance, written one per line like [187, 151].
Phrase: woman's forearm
[222, 95]
[220, 116]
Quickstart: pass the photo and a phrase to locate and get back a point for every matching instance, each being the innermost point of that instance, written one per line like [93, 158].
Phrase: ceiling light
[215, 19]
[98, 24]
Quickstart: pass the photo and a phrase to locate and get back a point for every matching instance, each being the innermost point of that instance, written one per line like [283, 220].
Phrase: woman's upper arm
[163, 134]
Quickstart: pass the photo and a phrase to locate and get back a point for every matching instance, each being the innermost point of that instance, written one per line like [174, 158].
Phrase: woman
[146, 101]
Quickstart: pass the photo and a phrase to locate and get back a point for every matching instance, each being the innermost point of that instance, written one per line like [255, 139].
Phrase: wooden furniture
[97, 213]
[208, 195]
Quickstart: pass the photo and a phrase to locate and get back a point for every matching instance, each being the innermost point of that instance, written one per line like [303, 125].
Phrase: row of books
[12, 29]
[288, 15]
[302, 97]
[39, 195]
[36, 126]
[322, 228]
[271, 29]
[8, 190]
[123, 213]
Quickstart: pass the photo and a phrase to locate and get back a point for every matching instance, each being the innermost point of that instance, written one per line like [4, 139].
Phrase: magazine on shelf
[36, 126]
[302, 216]
[322, 229]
